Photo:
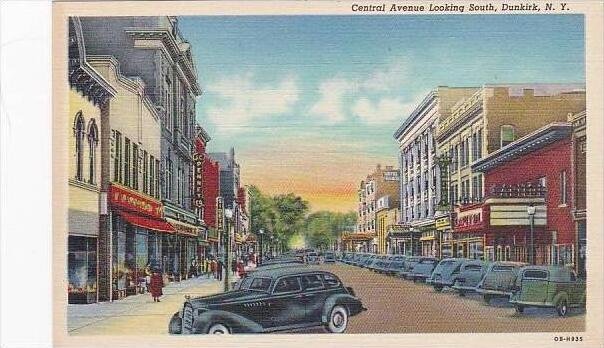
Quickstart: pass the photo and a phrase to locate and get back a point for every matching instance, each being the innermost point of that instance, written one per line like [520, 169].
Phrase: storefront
[469, 232]
[138, 229]
[442, 225]
[82, 269]
[183, 250]
[358, 242]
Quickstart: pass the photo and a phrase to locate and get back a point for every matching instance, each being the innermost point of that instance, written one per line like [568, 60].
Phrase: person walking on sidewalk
[157, 283]
[219, 267]
[213, 267]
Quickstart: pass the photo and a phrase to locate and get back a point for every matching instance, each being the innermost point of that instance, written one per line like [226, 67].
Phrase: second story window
[117, 160]
[135, 166]
[78, 132]
[563, 188]
[145, 172]
[127, 162]
[93, 140]
[507, 135]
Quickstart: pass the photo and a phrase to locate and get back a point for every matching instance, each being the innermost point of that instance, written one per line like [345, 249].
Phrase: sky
[311, 103]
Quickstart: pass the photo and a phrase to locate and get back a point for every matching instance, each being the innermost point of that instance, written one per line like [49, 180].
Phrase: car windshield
[256, 284]
[413, 259]
[503, 268]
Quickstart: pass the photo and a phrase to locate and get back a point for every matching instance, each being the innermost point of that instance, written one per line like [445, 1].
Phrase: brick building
[579, 205]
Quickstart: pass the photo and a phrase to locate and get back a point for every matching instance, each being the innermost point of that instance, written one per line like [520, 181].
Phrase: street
[394, 306]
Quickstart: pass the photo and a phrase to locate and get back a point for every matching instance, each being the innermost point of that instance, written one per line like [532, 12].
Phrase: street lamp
[261, 232]
[531, 214]
[228, 214]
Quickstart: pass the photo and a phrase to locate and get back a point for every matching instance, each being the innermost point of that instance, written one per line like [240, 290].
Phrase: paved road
[400, 306]
[394, 306]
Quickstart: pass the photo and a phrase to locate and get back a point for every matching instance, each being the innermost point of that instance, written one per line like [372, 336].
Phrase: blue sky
[291, 91]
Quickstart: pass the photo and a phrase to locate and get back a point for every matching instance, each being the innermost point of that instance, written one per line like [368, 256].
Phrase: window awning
[147, 222]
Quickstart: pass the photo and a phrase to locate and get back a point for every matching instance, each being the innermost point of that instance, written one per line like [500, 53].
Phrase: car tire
[415, 280]
[438, 288]
[462, 293]
[519, 309]
[562, 308]
[218, 329]
[338, 319]
[486, 299]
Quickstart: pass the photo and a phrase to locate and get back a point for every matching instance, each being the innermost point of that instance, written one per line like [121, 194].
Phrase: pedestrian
[240, 269]
[233, 266]
[213, 267]
[157, 283]
[219, 267]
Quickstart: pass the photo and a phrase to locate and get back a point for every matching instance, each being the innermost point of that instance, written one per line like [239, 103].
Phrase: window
[467, 152]
[285, 285]
[157, 178]
[462, 153]
[563, 190]
[145, 172]
[507, 135]
[311, 282]
[151, 176]
[456, 157]
[78, 132]
[93, 140]
[168, 186]
[135, 166]
[168, 101]
[535, 274]
[331, 281]
[117, 161]
[127, 162]
[478, 145]
[542, 182]
[261, 284]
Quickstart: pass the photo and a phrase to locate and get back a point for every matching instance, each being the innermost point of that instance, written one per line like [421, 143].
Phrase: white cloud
[384, 110]
[381, 85]
[331, 104]
[240, 100]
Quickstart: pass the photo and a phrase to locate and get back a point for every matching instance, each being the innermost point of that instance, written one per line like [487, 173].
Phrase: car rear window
[331, 281]
[473, 268]
[535, 274]
[288, 284]
[426, 261]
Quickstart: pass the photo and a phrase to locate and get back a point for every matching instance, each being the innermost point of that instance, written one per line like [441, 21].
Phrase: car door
[472, 274]
[285, 306]
[313, 296]
[534, 285]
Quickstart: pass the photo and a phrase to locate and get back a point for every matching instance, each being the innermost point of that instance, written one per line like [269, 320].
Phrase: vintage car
[329, 257]
[470, 274]
[408, 265]
[445, 273]
[278, 300]
[422, 270]
[395, 266]
[549, 287]
[368, 261]
[498, 280]
[382, 264]
[313, 258]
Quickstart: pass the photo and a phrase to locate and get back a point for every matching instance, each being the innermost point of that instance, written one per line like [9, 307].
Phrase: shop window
[507, 134]
[489, 253]
[93, 140]
[500, 255]
[81, 265]
[508, 253]
[78, 132]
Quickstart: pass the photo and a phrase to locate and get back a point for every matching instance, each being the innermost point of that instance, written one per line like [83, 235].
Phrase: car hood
[226, 297]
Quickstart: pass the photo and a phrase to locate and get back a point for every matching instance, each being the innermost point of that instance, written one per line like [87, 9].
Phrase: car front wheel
[338, 320]
[438, 288]
[519, 309]
[218, 329]
[562, 308]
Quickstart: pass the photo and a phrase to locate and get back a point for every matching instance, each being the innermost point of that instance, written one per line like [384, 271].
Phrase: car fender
[562, 295]
[235, 322]
[353, 305]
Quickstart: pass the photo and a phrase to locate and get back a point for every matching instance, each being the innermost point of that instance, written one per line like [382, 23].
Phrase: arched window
[93, 140]
[507, 134]
[78, 132]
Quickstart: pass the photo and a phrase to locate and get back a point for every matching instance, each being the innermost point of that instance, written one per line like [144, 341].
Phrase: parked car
[408, 265]
[423, 268]
[277, 300]
[395, 266]
[498, 280]
[313, 258]
[549, 287]
[382, 264]
[329, 257]
[445, 273]
[470, 274]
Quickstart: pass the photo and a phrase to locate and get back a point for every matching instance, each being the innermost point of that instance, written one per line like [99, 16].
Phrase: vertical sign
[219, 214]
[198, 180]
[443, 164]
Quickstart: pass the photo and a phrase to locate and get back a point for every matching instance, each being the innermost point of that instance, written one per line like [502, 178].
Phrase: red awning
[147, 222]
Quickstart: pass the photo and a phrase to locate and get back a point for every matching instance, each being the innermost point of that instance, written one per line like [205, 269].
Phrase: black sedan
[276, 300]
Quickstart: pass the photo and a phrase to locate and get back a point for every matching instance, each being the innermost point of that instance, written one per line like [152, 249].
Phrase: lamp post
[228, 214]
[531, 214]
[261, 232]
[272, 246]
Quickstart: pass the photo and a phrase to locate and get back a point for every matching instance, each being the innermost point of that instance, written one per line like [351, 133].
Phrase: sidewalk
[136, 314]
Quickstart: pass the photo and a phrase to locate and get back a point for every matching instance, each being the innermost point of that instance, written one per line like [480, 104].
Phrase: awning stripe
[147, 222]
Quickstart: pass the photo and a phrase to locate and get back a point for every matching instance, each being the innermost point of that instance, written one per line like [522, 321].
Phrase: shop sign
[128, 199]
[219, 214]
[442, 223]
[183, 228]
[469, 219]
[391, 176]
[198, 180]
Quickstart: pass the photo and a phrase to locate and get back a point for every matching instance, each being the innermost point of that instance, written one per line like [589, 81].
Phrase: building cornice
[421, 109]
[202, 134]
[168, 40]
[538, 139]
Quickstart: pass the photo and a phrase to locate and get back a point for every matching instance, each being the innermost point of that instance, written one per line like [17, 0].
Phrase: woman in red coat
[157, 283]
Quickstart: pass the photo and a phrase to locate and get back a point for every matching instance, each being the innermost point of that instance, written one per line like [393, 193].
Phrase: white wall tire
[218, 329]
[338, 320]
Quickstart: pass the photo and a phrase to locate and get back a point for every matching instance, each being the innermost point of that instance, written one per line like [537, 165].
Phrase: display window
[82, 269]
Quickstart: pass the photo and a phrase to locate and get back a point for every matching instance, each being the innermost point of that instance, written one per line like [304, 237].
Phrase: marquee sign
[442, 223]
[219, 214]
[125, 198]
[198, 180]
[469, 219]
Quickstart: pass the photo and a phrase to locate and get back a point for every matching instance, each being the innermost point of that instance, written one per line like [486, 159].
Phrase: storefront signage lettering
[198, 178]
[442, 224]
[391, 176]
[219, 214]
[468, 219]
[124, 198]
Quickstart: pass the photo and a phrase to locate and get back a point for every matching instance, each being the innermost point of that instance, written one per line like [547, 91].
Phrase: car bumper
[463, 288]
[533, 304]
[493, 292]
